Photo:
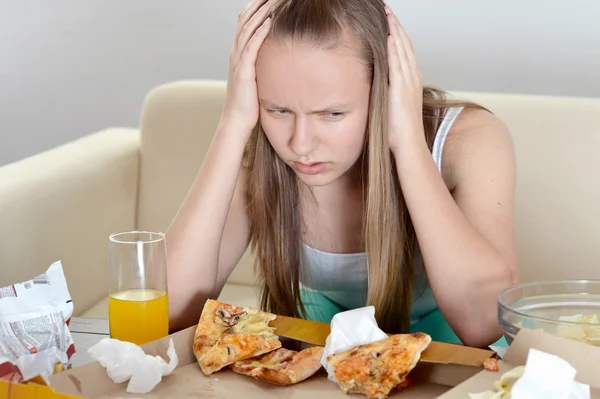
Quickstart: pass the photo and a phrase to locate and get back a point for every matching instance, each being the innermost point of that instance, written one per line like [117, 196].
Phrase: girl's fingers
[408, 47]
[393, 60]
[250, 19]
[400, 48]
[250, 52]
[246, 14]
[404, 49]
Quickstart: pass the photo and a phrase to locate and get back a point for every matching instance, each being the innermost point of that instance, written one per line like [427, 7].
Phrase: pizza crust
[377, 368]
[226, 334]
[282, 366]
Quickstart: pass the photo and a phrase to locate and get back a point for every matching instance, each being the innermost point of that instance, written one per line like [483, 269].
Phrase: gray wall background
[71, 67]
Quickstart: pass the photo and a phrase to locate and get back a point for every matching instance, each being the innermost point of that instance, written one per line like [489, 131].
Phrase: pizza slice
[282, 366]
[226, 334]
[377, 368]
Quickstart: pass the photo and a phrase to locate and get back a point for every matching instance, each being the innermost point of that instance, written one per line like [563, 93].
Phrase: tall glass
[138, 304]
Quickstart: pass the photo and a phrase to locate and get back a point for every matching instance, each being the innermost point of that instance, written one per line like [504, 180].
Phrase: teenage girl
[353, 183]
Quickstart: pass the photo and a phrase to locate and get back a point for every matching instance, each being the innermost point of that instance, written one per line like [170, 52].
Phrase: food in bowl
[589, 333]
[567, 308]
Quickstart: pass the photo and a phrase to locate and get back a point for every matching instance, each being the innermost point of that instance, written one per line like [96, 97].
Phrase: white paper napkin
[349, 329]
[549, 377]
[126, 361]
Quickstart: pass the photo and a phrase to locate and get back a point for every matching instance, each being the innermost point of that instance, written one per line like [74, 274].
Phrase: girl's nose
[302, 141]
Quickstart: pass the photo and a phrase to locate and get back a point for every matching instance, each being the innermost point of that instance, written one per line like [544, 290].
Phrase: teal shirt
[333, 283]
[343, 279]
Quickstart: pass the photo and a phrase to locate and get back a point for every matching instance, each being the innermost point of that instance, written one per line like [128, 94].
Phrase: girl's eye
[279, 112]
[335, 115]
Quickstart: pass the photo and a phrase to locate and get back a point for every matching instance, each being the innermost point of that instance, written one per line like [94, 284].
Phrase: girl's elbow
[480, 340]
[480, 333]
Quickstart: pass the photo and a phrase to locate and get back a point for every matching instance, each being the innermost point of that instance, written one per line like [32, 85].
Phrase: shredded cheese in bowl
[589, 333]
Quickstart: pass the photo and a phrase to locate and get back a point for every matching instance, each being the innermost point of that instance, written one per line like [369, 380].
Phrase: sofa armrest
[62, 204]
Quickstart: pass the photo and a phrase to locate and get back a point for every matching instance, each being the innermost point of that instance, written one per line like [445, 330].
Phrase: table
[86, 332]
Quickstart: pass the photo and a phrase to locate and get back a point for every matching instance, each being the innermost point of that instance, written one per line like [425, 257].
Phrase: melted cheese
[254, 324]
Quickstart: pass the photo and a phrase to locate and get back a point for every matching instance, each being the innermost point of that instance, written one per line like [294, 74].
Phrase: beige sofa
[63, 203]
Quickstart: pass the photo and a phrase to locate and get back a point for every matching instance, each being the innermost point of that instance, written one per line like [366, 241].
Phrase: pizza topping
[229, 319]
[491, 364]
[226, 334]
[252, 324]
[377, 368]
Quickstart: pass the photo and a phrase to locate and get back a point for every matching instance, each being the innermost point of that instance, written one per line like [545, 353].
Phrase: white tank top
[343, 277]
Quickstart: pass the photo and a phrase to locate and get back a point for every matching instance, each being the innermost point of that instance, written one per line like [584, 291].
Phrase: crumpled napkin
[349, 329]
[126, 361]
[544, 376]
[549, 377]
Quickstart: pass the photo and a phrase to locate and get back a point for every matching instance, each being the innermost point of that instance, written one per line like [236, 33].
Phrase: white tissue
[349, 329]
[126, 361]
[549, 377]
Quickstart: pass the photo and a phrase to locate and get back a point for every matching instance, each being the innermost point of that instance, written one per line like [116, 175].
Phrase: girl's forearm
[465, 271]
[194, 236]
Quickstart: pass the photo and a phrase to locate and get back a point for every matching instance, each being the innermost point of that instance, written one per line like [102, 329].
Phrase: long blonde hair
[273, 190]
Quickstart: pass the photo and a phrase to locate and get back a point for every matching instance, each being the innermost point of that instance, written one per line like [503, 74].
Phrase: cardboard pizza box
[430, 380]
[187, 381]
[583, 357]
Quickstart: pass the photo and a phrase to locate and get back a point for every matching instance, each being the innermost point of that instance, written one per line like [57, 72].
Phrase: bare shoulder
[479, 145]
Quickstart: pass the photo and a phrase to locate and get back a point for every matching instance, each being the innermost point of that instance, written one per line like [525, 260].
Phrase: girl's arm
[466, 234]
[209, 234]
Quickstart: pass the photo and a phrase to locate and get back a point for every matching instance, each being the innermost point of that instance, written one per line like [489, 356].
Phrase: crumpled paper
[126, 361]
[544, 376]
[550, 377]
[33, 327]
[349, 329]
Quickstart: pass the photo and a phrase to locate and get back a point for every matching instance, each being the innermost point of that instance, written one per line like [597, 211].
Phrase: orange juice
[138, 315]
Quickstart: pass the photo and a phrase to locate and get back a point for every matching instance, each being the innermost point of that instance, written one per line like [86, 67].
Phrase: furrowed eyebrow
[270, 104]
[331, 108]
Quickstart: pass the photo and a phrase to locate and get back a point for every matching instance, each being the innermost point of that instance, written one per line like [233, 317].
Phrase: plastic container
[568, 308]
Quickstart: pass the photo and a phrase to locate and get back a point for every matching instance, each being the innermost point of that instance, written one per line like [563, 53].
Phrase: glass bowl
[568, 308]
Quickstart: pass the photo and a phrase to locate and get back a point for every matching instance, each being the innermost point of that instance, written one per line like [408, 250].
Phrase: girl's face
[314, 106]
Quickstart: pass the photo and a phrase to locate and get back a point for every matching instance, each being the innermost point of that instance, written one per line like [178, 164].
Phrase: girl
[353, 184]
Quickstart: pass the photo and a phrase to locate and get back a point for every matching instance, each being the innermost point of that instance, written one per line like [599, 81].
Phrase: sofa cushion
[62, 204]
[557, 199]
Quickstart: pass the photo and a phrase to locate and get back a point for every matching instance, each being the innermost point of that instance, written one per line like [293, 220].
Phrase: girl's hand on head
[240, 112]
[405, 94]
